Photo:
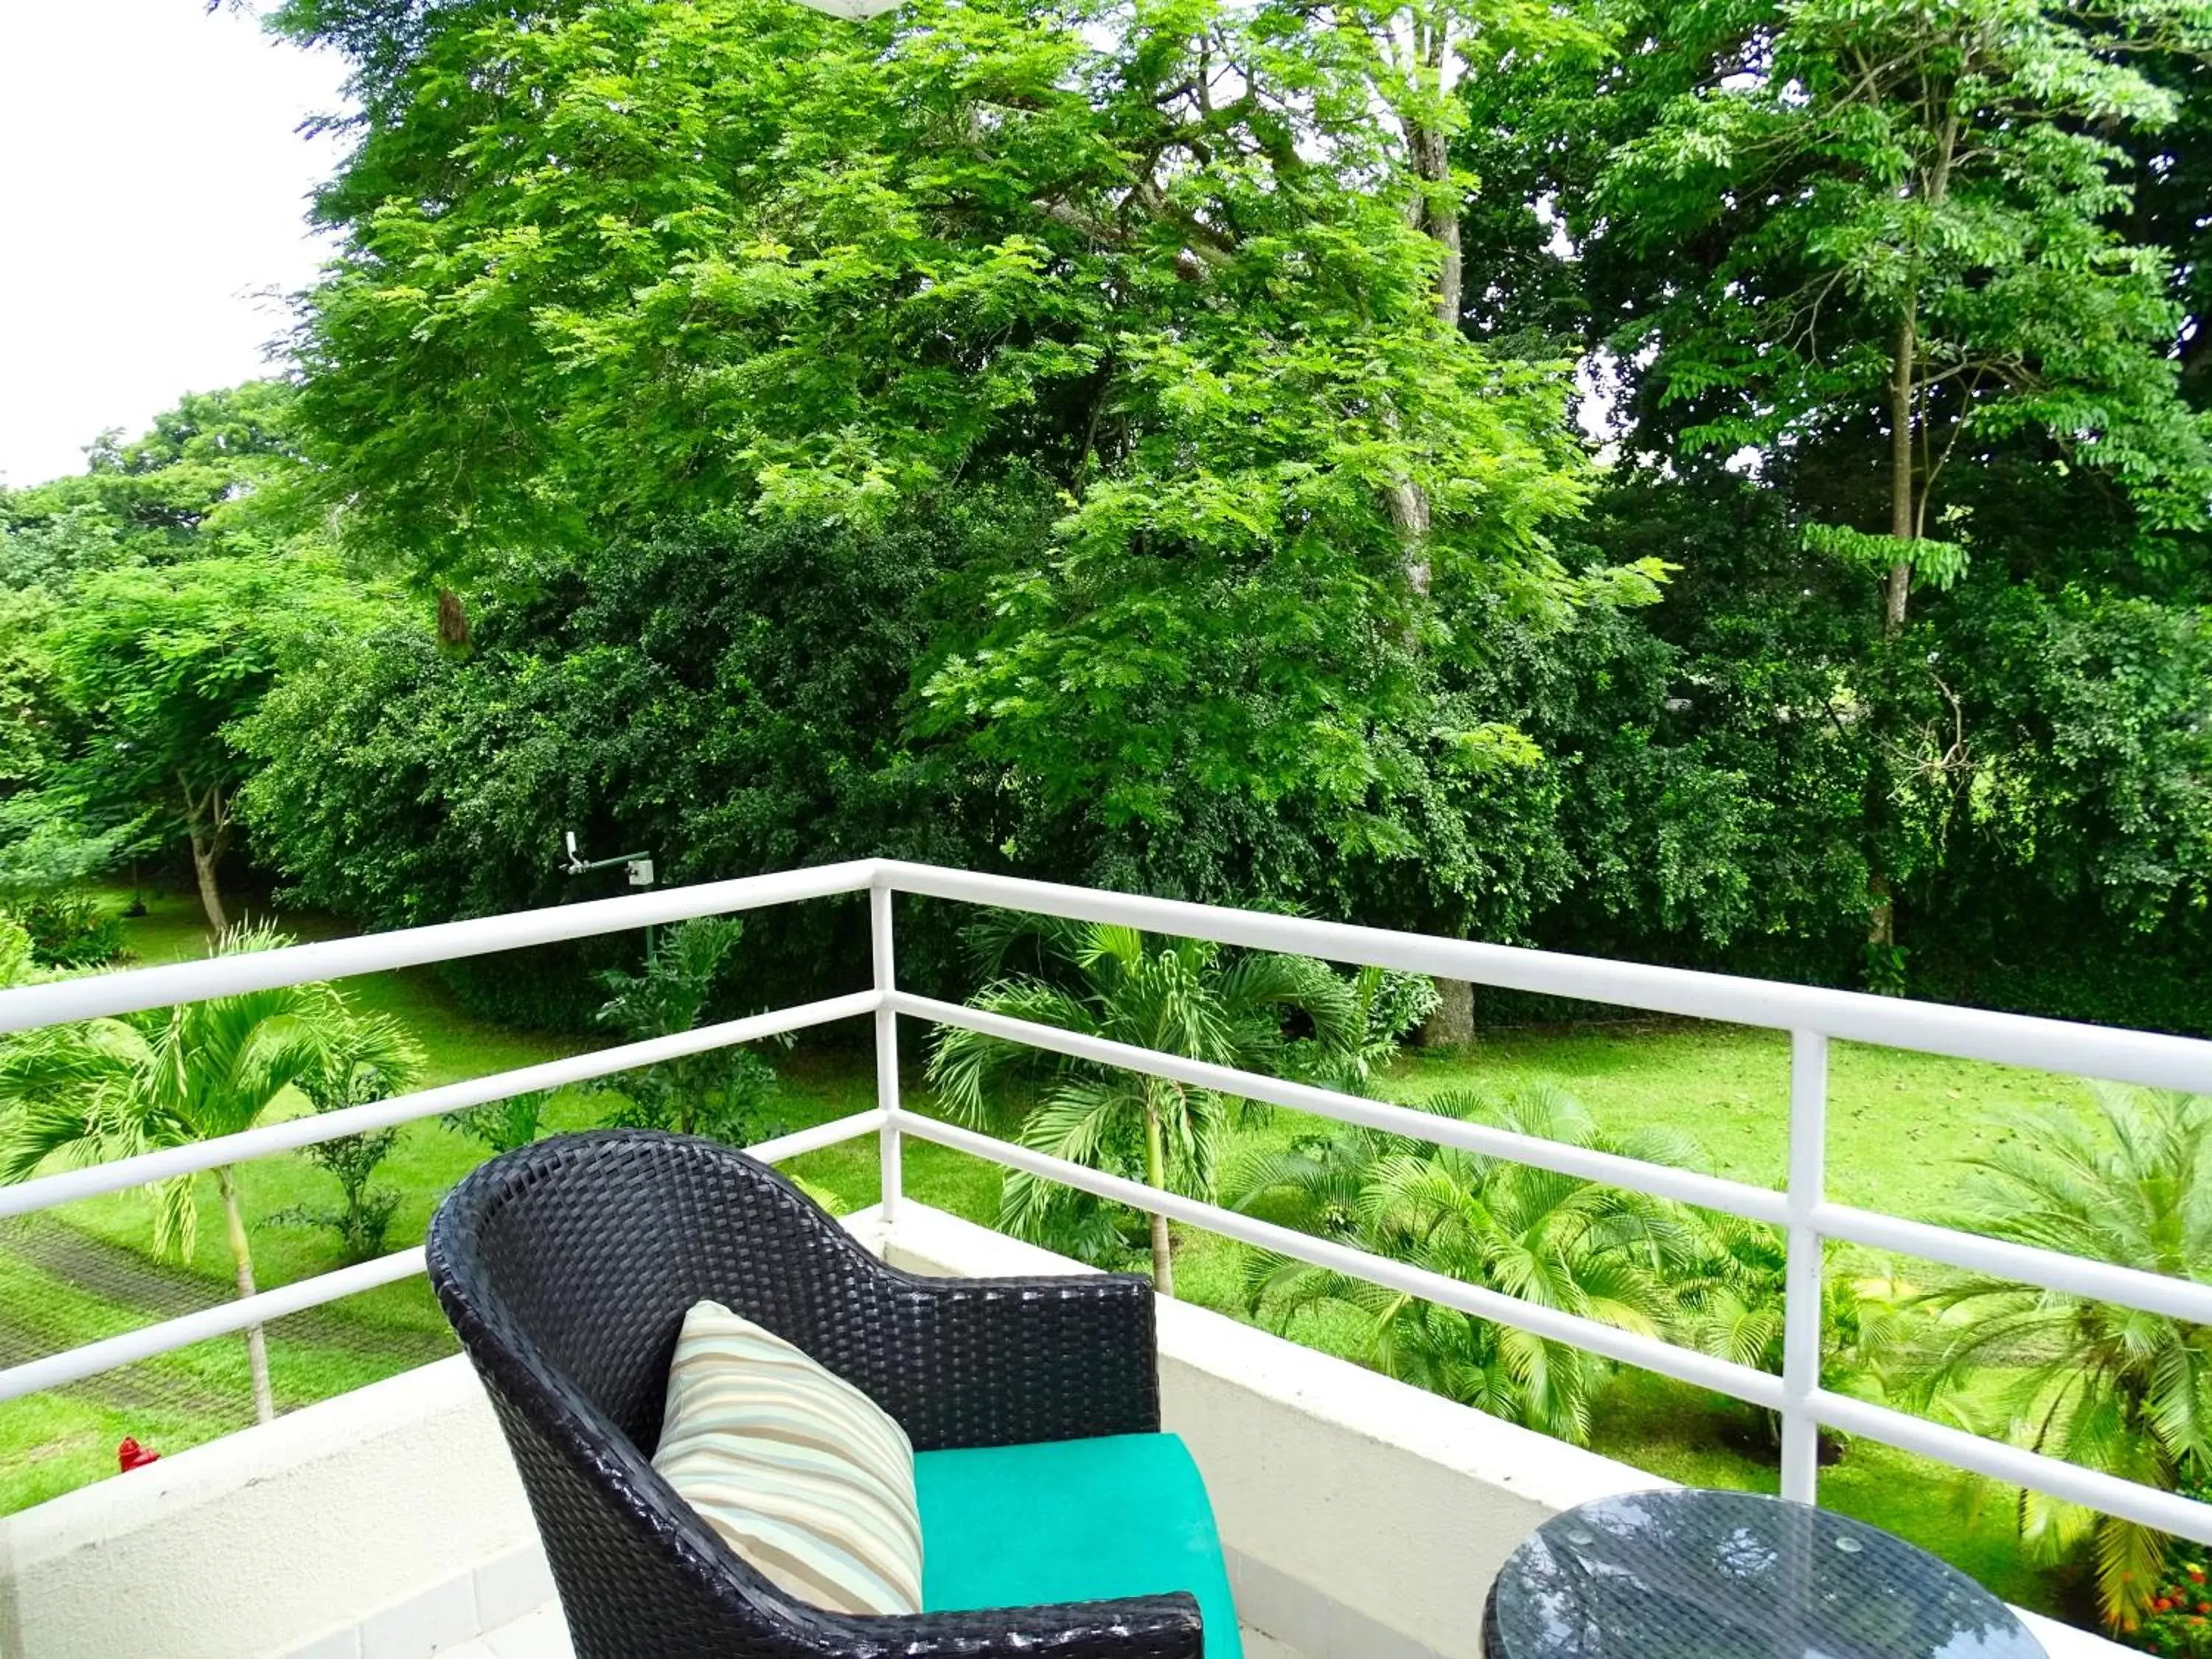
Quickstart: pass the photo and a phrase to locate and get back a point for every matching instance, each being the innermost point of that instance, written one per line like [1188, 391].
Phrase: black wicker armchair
[567, 1268]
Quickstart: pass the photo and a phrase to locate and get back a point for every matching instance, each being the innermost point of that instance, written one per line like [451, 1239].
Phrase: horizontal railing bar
[97, 994]
[1684, 1365]
[2106, 1493]
[74, 1364]
[2016, 1466]
[2025, 1264]
[2141, 1057]
[2129, 1287]
[831, 1134]
[70, 1185]
[1685, 1186]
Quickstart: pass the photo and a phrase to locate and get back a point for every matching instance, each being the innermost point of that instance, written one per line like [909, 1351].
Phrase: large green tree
[1913, 210]
[1174, 286]
[147, 603]
[1745, 217]
[156, 662]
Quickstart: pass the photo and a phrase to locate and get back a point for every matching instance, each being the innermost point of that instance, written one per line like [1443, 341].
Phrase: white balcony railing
[1813, 1017]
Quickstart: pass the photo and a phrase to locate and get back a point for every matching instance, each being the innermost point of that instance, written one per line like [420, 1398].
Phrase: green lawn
[1899, 1125]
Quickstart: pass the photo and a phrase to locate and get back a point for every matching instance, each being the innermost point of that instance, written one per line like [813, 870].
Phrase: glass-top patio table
[1718, 1575]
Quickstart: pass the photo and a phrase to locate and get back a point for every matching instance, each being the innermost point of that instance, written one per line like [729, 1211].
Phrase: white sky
[152, 192]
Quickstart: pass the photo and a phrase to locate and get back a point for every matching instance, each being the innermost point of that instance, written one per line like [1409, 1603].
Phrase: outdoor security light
[638, 866]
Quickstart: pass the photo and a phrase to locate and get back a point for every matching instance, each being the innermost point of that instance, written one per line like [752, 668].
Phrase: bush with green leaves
[17, 967]
[503, 1124]
[2093, 1382]
[2176, 1618]
[1187, 997]
[372, 1059]
[69, 930]
[727, 1093]
[1557, 1241]
[1730, 1298]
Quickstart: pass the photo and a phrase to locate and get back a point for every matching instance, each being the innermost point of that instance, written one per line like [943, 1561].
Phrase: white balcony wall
[1364, 1519]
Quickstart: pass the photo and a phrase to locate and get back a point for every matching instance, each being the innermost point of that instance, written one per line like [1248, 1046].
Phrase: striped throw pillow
[801, 1473]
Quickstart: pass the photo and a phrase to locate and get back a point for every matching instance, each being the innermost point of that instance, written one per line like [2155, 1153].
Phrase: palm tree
[2093, 1383]
[1731, 1304]
[1554, 1240]
[107, 1089]
[1187, 997]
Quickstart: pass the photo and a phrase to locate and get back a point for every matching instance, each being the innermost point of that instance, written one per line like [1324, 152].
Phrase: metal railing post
[887, 1067]
[1801, 1323]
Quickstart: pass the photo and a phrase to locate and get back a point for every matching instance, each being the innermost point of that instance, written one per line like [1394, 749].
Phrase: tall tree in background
[1914, 206]
[157, 663]
[1881, 257]
[1166, 285]
[1917, 202]
[148, 603]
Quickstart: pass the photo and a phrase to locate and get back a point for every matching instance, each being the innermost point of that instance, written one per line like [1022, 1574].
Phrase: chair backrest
[565, 1269]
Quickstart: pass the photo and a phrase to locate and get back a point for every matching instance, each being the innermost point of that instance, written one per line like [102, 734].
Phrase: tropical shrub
[503, 1124]
[2177, 1621]
[373, 1058]
[2117, 1389]
[724, 1093]
[111, 1087]
[69, 930]
[1730, 1303]
[1386, 1008]
[1554, 1240]
[16, 965]
[1187, 997]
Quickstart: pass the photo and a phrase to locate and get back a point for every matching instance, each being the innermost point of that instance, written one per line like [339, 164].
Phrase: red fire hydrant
[132, 1455]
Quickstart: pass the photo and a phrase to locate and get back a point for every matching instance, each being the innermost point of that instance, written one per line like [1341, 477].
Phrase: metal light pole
[639, 865]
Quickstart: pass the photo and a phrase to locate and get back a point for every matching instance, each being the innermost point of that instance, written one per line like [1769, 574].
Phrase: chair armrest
[1132, 1627]
[1002, 1362]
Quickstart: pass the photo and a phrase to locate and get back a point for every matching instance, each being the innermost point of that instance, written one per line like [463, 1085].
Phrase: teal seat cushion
[1071, 1521]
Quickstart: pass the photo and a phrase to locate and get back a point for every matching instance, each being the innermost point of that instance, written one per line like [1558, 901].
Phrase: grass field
[1900, 1125]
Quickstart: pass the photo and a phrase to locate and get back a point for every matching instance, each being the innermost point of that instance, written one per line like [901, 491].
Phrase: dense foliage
[1726, 484]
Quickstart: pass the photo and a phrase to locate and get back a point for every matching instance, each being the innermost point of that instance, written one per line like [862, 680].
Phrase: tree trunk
[1409, 514]
[1881, 912]
[1904, 521]
[1904, 526]
[453, 621]
[1156, 1171]
[206, 857]
[241, 1256]
[1452, 1024]
[1430, 155]
[1431, 158]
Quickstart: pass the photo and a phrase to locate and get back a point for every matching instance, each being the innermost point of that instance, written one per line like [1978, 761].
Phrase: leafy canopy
[1154, 271]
